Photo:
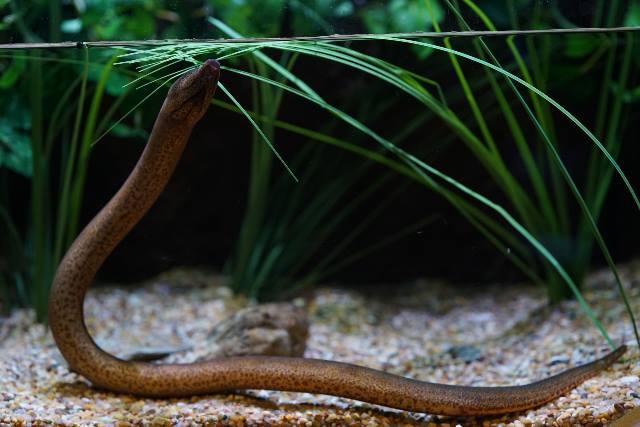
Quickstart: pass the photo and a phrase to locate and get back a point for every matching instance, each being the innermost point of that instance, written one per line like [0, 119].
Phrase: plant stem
[39, 190]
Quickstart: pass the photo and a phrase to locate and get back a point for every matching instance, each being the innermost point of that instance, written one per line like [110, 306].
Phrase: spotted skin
[183, 107]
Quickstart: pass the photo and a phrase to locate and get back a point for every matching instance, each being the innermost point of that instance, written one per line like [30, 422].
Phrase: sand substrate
[425, 330]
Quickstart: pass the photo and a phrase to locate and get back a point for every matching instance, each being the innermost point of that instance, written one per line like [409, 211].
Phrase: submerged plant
[57, 173]
[536, 208]
[507, 235]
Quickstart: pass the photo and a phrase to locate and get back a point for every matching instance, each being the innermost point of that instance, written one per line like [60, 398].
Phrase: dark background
[196, 220]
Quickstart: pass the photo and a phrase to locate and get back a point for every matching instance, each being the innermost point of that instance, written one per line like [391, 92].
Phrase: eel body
[185, 104]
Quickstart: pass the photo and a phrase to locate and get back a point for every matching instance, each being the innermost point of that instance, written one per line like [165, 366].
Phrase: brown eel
[185, 104]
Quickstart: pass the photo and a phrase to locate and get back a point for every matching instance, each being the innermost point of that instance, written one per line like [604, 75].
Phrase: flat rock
[278, 329]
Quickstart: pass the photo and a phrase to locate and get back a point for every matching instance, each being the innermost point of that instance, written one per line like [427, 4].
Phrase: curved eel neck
[182, 109]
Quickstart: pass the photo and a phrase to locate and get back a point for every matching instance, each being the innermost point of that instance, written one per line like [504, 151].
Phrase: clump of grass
[53, 221]
[517, 229]
[505, 232]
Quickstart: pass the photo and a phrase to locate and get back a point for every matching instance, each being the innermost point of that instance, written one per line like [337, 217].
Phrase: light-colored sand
[499, 336]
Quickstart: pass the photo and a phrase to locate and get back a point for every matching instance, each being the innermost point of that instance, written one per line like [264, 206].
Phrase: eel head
[190, 95]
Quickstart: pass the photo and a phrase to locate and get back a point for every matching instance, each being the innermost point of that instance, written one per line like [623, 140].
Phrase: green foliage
[400, 16]
[11, 73]
[15, 148]
[581, 45]
[537, 215]
[256, 19]
[56, 171]
[632, 18]
[535, 226]
[114, 19]
[287, 224]
[575, 253]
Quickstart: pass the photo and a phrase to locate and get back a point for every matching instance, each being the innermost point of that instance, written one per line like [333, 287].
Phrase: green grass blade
[421, 167]
[258, 129]
[547, 98]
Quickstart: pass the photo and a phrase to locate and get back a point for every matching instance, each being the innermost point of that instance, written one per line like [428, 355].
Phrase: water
[469, 179]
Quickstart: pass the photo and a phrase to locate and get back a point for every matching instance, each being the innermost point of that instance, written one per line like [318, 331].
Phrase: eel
[185, 104]
[629, 419]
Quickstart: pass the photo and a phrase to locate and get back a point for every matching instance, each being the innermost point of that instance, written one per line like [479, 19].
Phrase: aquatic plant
[536, 207]
[533, 220]
[53, 220]
[281, 245]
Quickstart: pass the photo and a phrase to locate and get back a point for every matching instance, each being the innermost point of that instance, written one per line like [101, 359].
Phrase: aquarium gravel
[427, 329]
